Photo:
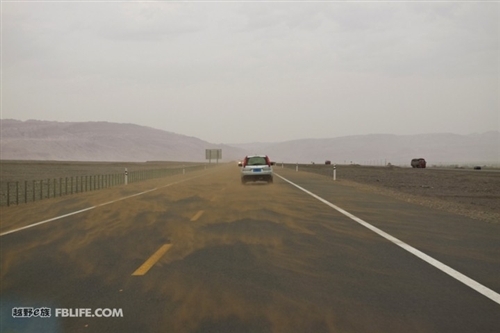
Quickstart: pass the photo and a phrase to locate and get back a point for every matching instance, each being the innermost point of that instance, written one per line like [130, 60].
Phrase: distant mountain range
[103, 141]
[379, 149]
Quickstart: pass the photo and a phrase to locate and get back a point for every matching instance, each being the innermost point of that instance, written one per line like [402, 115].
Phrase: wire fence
[23, 192]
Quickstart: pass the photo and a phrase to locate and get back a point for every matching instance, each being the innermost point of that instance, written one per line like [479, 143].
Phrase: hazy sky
[234, 72]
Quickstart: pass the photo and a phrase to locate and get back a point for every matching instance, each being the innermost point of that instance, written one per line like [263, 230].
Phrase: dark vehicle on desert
[328, 162]
[418, 163]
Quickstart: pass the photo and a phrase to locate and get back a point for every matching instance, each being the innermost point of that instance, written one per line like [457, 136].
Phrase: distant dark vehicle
[327, 162]
[477, 167]
[418, 163]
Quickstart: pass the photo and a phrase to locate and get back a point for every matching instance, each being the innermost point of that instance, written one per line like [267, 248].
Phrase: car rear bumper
[254, 175]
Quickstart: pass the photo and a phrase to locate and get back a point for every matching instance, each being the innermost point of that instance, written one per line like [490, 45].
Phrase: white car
[257, 168]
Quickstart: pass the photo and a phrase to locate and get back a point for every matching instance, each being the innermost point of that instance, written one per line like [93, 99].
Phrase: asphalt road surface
[203, 253]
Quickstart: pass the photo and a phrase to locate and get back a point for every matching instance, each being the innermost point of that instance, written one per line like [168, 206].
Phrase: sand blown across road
[245, 258]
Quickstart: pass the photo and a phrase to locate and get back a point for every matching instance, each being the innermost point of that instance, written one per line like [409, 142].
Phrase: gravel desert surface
[473, 193]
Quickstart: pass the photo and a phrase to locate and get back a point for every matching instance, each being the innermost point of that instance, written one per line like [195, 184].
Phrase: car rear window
[257, 160]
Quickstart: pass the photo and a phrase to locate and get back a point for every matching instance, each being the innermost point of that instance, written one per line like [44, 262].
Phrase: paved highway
[202, 253]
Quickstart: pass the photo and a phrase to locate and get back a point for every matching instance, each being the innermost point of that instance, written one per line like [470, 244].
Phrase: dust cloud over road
[244, 258]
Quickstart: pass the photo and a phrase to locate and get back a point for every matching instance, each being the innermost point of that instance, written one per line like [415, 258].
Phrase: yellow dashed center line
[152, 260]
[197, 216]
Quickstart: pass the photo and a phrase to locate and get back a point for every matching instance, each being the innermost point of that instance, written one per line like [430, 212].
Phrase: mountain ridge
[108, 141]
[100, 141]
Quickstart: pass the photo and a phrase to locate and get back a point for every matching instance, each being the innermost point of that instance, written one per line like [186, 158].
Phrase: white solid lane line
[90, 208]
[494, 296]
[74, 213]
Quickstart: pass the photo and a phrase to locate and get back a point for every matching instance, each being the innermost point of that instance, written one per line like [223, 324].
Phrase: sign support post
[213, 154]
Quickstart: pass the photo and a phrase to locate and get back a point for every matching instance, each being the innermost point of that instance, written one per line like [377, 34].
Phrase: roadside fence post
[17, 193]
[126, 176]
[66, 186]
[60, 186]
[41, 189]
[334, 172]
[55, 187]
[48, 188]
[297, 167]
[34, 190]
[25, 191]
[8, 194]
